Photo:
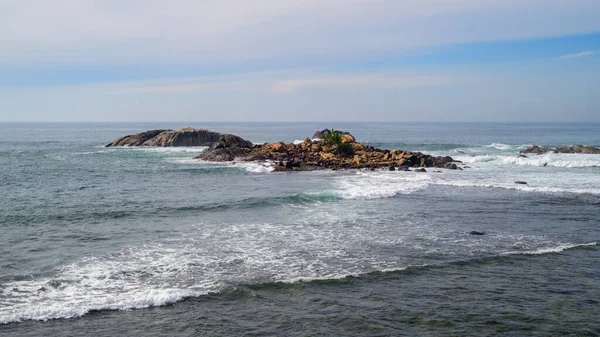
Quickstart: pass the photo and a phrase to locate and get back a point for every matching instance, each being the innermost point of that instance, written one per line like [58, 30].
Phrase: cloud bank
[228, 31]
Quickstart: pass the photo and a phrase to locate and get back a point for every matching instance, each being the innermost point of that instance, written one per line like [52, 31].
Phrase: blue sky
[303, 60]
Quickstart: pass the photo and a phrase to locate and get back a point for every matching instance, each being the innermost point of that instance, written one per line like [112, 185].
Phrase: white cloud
[584, 53]
[156, 31]
[361, 81]
[272, 82]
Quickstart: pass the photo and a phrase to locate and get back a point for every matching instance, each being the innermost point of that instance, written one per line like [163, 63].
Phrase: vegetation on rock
[336, 150]
[340, 142]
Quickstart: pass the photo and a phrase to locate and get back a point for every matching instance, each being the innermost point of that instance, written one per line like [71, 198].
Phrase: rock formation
[227, 148]
[312, 155]
[321, 134]
[562, 149]
[164, 138]
[340, 151]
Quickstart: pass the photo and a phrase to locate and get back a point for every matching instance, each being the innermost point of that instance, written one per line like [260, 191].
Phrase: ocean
[149, 242]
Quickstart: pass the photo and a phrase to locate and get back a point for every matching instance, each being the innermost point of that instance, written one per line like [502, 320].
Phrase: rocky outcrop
[562, 149]
[164, 138]
[312, 155]
[227, 148]
[137, 139]
[323, 133]
[341, 152]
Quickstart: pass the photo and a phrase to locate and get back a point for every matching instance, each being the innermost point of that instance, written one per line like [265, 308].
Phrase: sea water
[148, 241]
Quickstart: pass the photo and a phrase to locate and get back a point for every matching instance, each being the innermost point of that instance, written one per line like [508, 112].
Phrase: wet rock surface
[313, 155]
[343, 152]
[166, 138]
[563, 149]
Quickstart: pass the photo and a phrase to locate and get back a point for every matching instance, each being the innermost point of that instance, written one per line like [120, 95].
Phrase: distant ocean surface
[148, 242]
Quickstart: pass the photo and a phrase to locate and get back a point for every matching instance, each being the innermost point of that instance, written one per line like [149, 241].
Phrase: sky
[300, 60]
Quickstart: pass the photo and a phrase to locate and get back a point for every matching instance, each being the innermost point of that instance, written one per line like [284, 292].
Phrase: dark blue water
[107, 242]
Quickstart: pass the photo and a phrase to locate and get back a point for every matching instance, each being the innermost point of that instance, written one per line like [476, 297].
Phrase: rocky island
[164, 138]
[562, 149]
[328, 149]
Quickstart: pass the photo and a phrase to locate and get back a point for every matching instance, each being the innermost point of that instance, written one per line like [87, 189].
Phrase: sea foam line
[546, 160]
[518, 187]
[550, 250]
[76, 299]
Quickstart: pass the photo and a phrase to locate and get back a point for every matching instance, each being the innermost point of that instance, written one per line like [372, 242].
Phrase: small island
[327, 149]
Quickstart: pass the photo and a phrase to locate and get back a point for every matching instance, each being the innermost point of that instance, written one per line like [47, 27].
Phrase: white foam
[375, 185]
[510, 185]
[547, 160]
[550, 250]
[298, 141]
[501, 146]
[167, 149]
[135, 278]
[211, 257]
[252, 167]
[88, 153]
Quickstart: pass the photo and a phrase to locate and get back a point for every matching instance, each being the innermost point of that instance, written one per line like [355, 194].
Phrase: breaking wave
[546, 160]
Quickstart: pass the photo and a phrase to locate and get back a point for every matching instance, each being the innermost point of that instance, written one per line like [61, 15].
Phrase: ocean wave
[252, 167]
[376, 185]
[506, 147]
[255, 167]
[546, 160]
[84, 153]
[519, 187]
[550, 250]
[156, 275]
[134, 278]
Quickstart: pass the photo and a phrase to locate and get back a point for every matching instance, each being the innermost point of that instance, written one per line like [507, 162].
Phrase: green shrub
[332, 138]
[345, 149]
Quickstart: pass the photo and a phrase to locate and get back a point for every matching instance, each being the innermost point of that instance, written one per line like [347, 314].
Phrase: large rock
[227, 148]
[137, 139]
[164, 138]
[323, 133]
[578, 149]
[308, 155]
[563, 149]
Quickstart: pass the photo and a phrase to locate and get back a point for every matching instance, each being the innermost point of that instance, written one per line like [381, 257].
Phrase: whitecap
[521, 187]
[252, 167]
[546, 160]
[375, 185]
[550, 250]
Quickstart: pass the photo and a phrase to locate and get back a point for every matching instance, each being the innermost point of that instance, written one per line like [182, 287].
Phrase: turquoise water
[129, 241]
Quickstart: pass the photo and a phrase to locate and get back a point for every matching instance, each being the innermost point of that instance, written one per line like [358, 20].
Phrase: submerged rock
[521, 182]
[584, 149]
[166, 138]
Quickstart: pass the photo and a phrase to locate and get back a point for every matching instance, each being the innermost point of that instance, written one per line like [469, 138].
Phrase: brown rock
[584, 149]
[348, 138]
